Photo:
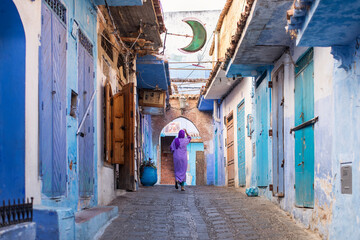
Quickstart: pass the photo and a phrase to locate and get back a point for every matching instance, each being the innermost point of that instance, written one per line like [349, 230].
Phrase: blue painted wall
[85, 15]
[192, 148]
[147, 137]
[346, 86]
[12, 103]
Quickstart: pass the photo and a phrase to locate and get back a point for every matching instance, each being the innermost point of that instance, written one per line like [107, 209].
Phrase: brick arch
[201, 120]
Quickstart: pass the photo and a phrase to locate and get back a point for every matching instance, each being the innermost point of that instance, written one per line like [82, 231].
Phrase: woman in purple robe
[179, 149]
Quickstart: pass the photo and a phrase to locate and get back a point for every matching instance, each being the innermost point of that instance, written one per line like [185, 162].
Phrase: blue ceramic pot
[148, 176]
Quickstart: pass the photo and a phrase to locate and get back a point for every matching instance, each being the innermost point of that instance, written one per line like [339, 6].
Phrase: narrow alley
[201, 212]
[251, 108]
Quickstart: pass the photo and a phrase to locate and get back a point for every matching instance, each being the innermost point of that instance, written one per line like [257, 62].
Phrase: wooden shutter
[118, 129]
[128, 91]
[108, 121]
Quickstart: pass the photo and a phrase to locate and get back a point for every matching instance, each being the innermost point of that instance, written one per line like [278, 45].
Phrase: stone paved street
[162, 212]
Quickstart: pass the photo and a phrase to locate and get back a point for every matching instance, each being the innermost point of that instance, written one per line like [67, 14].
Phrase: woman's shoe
[176, 184]
[182, 188]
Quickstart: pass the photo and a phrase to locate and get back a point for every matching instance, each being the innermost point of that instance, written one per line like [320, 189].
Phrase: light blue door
[304, 137]
[241, 142]
[216, 158]
[262, 130]
[52, 103]
[86, 139]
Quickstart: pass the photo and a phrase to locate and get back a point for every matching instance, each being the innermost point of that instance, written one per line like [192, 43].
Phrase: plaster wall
[30, 14]
[229, 26]
[230, 103]
[202, 121]
[319, 217]
[174, 24]
[345, 147]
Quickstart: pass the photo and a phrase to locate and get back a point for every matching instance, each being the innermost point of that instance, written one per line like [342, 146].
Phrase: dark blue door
[12, 103]
[86, 140]
[52, 103]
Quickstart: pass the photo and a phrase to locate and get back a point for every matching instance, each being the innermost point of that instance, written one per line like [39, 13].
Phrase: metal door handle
[301, 163]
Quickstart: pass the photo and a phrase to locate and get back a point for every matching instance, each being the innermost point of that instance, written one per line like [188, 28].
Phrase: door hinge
[111, 101]
[270, 132]
[111, 125]
[294, 186]
[111, 153]
[270, 84]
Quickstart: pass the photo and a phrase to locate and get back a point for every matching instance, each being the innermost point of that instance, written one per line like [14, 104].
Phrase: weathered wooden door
[167, 162]
[241, 142]
[304, 136]
[86, 138]
[124, 136]
[262, 131]
[278, 132]
[230, 149]
[52, 103]
[200, 168]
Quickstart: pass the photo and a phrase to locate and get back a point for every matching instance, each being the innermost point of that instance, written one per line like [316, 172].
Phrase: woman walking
[179, 149]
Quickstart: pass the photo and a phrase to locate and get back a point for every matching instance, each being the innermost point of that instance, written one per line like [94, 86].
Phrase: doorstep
[89, 221]
[21, 231]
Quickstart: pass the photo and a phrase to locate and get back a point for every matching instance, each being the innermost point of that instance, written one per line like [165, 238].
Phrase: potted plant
[148, 173]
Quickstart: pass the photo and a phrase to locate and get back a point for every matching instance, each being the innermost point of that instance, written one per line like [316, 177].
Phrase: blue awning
[205, 105]
[152, 73]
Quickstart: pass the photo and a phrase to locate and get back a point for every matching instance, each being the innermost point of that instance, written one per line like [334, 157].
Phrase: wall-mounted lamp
[183, 104]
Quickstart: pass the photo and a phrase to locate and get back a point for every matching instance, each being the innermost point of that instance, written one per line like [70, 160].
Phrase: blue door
[86, 139]
[304, 137]
[278, 132]
[52, 103]
[12, 103]
[241, 142]
[216, 158]
[262, 130]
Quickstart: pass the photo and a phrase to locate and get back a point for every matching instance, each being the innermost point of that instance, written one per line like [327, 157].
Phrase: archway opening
[12, 103]
[196, 172]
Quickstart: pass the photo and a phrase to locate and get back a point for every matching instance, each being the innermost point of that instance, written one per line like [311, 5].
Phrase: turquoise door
[262, 131]
[304, 137]
[241, 142]
[216, 159]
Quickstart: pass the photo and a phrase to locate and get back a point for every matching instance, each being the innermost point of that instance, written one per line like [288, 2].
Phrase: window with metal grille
[85, 42]
[106, 45]
[58, 8]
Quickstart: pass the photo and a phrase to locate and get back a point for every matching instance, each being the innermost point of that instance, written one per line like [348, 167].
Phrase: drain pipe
[215, 112]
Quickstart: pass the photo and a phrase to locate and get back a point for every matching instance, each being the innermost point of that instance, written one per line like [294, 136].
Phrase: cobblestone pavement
[162, 212]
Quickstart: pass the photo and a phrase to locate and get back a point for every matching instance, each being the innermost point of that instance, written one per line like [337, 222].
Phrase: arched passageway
[196, 171]
[12, 103]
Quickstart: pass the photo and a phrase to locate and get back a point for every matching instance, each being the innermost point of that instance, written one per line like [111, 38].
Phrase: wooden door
[167, 162]
[304, 136]
[241, 142]
[124, 136]
[262, 130]
[230, 149]
[200, 168]
[278, 132]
